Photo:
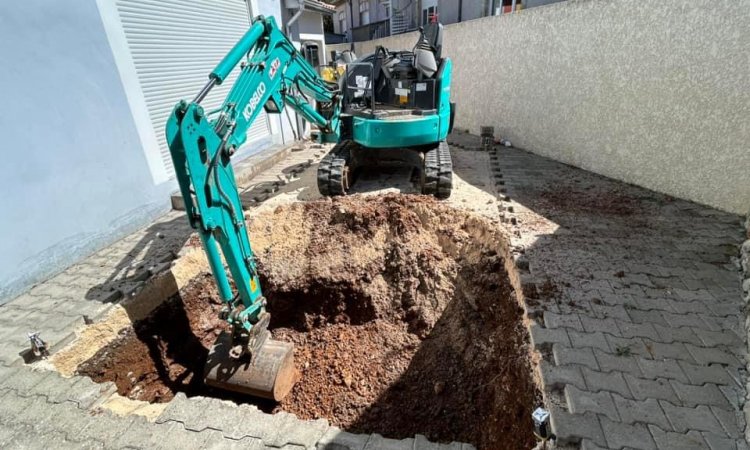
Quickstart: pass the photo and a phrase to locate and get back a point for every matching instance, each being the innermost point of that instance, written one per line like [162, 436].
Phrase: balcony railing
[371, 31]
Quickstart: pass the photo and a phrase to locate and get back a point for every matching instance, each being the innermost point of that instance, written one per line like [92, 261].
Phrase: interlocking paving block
[294, 431]
[53, 439]
[540, 335]
[700, 374]
[621, 435]
[627, 346]
[173, 435]
[637, 411]
[606, 381]
[12, 406]
[583, 356]
[555, 377]
[614, 311]
[733, 421]
[34, 413]
[6, 373]
[246, 443]
[734, 395]
[54, 387]
[644, 330]
[193, 413]
[647, 388]
[707, 394]
[716, 442]
[336, 439]
[12, 354]
[552, 320]
[105, 427]
[596, 402]
[6, 434]
[11, 316]
[595, 340]
[85, 393]
[378, 442]
[694, 321]
[674, 350]
[140, 433]
[669, 440]
[684, 419]
[236, 422]
[654, 317]
[606, 325]
[64, 416]
[26, 379]
[620, 363]
[704, 355]
[667, 368]
[571, 428]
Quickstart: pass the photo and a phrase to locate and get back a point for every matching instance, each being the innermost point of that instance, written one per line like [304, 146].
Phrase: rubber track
[438, 172]
[331, 170]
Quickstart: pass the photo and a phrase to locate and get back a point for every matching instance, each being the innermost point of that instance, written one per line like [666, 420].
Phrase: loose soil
[403, 315]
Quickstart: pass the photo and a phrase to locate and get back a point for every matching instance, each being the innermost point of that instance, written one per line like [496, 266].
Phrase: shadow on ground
[151, 251]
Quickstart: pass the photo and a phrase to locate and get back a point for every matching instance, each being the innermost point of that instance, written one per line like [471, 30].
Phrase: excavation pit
[403, 314]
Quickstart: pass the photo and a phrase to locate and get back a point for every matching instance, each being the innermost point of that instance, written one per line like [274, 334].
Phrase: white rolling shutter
[175, 44]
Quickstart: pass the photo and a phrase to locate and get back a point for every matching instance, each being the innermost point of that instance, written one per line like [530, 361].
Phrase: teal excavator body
[274, 75]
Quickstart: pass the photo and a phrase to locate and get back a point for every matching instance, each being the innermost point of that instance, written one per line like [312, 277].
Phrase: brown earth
[402, 312]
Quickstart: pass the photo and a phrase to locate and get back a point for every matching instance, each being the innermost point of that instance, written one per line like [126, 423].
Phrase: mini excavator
[387, 102]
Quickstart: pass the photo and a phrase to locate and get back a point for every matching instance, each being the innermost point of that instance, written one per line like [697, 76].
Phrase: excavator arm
[273, 75]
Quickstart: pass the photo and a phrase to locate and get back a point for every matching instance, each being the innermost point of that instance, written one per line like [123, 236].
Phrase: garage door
[175, 44]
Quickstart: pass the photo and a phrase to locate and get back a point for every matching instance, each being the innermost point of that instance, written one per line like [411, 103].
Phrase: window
[311, 54]
[342, 22]
[429, 15]
[364, 12]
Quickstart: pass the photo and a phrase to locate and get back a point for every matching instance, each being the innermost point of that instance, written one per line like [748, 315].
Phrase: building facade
[93, 82]
[362, 20]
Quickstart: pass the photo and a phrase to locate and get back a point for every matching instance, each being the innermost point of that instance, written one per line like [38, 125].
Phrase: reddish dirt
[402, 312]
[164, 353]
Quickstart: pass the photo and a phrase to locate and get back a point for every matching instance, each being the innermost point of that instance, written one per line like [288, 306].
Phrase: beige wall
[653, 93]
[338, 47]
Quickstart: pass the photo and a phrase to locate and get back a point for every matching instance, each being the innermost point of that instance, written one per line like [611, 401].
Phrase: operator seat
[428, 50]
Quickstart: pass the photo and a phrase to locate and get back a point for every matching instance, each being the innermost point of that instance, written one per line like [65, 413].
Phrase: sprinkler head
[541, 422]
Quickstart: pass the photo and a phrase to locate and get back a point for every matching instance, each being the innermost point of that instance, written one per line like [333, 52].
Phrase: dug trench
[403, 314]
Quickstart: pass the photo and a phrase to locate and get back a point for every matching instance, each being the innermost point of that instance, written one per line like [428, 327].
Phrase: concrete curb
[248, 168]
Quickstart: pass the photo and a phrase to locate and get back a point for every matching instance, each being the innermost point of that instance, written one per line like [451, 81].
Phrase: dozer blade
[269, 373]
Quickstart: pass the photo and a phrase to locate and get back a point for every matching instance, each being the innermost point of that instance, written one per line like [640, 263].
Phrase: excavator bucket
[269, 373]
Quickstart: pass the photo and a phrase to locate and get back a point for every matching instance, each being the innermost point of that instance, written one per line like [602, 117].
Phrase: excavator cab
[396, 111]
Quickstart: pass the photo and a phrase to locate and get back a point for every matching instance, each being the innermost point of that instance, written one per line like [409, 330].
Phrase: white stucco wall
[77, 172]
[75, 176]
[652, 93]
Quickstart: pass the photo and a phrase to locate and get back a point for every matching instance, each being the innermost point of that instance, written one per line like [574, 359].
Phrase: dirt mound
[354, 260]
[402, 312]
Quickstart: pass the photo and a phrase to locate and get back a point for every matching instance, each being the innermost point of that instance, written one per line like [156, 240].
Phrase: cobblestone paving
[86, 291]
[637, 307]
[635, 301]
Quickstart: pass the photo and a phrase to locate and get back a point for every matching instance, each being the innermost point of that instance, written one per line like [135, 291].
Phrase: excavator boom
[272, 75]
